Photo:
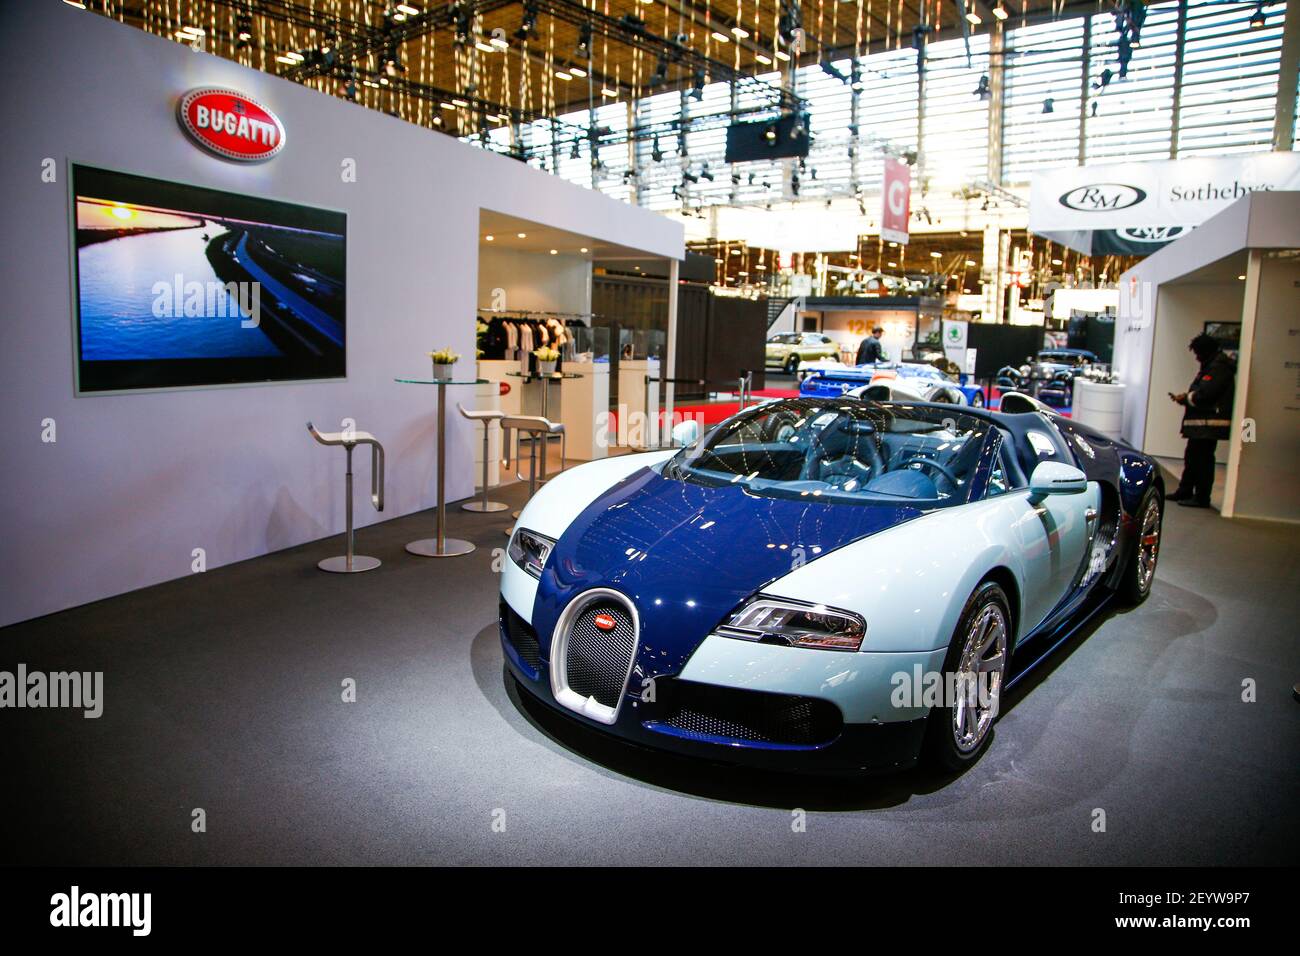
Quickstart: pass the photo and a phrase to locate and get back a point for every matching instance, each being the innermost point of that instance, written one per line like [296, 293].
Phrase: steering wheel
[930, 463]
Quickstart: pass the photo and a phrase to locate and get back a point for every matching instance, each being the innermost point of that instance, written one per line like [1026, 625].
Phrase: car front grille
[523, 639]
[703, 711]
[597, 661]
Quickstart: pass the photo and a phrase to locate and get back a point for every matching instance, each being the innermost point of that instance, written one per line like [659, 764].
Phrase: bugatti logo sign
[604, 621]
[230, 124]
[1103, 197]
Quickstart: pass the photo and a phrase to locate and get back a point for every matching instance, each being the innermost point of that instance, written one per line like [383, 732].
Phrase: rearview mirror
[1057, 478]
[685, 433]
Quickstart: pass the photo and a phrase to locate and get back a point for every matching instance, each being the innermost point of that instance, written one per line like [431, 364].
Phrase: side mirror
[1057, 478]
[685, 433]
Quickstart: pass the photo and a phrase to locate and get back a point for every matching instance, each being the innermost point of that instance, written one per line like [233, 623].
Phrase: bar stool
[351, 563]
[487, 417]
[535, 427]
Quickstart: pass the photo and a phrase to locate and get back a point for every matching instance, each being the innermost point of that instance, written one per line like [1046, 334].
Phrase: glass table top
[442, 381]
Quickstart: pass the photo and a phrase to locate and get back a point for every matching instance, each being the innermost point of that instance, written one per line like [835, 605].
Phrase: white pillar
[1245, 352]
[670, 360]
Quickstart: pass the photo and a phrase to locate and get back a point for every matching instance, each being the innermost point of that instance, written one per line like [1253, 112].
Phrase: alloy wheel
[1148, 545]
[980, 672]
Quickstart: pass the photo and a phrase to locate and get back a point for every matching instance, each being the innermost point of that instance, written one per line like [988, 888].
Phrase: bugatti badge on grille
[604, 621]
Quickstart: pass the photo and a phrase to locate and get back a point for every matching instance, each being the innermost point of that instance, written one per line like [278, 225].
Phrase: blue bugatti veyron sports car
[824, 583]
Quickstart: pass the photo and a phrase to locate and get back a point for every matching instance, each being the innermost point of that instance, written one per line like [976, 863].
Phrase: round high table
[441, 546]
[546, 385]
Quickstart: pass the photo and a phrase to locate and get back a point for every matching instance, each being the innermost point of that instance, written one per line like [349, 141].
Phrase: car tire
[957, 733]
[1140, 570]
[792, 365]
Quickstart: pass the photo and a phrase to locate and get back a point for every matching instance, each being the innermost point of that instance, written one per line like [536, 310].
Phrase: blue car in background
[931, 384]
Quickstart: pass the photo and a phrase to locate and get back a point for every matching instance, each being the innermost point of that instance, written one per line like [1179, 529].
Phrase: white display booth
[128, 490]
[1243, 267]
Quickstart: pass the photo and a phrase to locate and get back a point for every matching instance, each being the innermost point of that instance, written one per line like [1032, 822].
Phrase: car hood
[687, 554]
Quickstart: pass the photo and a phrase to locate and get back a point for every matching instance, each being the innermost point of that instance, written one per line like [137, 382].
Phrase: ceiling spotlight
[577, 71]
[489, 238]
[739, 32]
[973, 18]
[721, 37]
[936, 255]
[1257, 19]
[555, 252]
[1000, 11]
[521, 235]
[562, 75]
[763, 58]
[528, 25]
[781, 55]
[584, 249]
[583, 49]
[407, 9]
[606, 92]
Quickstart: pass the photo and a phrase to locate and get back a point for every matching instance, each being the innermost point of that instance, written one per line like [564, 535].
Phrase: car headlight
[529, 550]
[773, 620]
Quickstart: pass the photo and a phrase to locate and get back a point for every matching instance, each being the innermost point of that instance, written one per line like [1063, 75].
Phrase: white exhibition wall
[1263, 483]
[135, 483]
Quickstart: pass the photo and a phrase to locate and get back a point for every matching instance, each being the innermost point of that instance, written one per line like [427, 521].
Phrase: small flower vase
[442, 371]
[545, 368]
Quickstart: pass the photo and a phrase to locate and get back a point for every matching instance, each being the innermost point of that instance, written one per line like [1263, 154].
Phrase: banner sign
[954, 341]
[895, 201]
[230, 124]
[1131, 198]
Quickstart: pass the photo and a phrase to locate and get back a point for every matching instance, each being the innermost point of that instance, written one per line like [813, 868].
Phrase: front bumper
[756, 705]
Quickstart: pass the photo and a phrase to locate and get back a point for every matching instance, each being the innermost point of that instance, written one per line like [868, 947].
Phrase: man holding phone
[1207, 418]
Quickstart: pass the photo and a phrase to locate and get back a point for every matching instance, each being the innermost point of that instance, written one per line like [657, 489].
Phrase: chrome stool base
[485, 506]
[339, 565]
[451, 547]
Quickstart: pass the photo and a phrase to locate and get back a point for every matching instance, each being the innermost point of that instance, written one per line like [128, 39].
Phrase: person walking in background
[1207, 418]
[870, 350]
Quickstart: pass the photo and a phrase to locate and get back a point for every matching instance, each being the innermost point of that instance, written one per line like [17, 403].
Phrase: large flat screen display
[181, 286]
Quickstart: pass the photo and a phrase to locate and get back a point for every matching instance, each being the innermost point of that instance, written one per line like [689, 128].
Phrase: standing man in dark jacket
[870, 350]
[1207, 418]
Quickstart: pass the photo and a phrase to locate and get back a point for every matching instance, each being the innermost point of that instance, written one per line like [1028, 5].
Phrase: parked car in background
[1048, 376]
[786, 350]
[829, 379]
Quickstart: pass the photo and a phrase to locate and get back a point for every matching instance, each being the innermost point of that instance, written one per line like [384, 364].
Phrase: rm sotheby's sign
[1179, 192]
[230, 124]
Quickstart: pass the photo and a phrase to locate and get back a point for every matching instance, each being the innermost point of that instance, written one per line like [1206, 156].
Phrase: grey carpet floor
[223, 692]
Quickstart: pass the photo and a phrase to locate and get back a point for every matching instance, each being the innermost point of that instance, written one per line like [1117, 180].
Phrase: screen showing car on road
[187, 286]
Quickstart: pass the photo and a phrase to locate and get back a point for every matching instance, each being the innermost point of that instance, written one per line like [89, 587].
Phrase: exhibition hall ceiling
[548, 57]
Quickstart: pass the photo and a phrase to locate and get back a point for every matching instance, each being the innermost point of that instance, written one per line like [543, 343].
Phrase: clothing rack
[514, 333]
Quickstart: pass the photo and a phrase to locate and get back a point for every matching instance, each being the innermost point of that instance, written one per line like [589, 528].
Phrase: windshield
[841, 450]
